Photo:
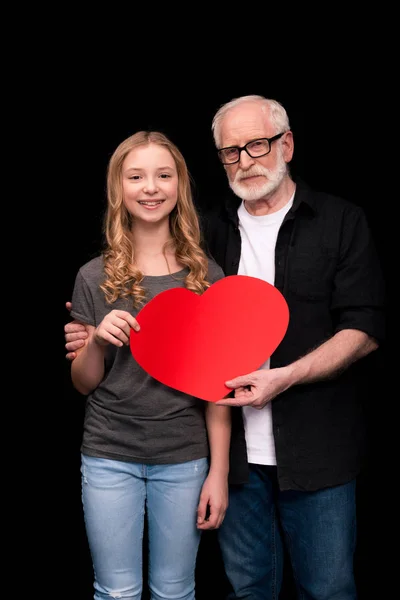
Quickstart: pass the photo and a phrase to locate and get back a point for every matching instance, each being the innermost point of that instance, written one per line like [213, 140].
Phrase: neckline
[167, 275]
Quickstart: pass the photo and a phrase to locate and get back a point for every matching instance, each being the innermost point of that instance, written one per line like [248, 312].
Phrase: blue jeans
[114, 496]
[319, 530]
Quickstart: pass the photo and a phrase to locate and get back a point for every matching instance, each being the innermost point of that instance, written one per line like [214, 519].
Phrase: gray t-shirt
[130, 416]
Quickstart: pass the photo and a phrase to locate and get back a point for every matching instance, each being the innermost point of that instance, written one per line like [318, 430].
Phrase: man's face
[252, 179]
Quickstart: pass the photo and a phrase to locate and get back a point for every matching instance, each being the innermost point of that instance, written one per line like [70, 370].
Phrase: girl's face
[150, 183]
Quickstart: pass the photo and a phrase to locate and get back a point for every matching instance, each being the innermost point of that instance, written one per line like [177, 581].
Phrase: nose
[150, 186]
[245, 160]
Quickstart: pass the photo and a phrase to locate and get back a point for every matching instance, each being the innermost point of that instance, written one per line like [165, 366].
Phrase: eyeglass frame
[241, 148]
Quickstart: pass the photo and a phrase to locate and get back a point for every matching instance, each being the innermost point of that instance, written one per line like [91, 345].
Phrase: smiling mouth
[150, 202]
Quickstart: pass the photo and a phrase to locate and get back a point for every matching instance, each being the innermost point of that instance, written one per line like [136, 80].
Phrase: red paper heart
[195, 343]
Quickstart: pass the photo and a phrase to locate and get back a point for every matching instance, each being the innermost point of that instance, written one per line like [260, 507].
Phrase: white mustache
[252, 172]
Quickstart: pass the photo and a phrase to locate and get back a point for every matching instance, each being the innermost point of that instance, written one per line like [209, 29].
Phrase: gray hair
[276, 112]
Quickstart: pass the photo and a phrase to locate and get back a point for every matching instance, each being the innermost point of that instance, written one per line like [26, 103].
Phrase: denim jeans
[114, 496]
[318, 528]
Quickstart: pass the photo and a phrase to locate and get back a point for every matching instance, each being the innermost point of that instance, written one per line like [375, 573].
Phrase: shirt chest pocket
[311, 272]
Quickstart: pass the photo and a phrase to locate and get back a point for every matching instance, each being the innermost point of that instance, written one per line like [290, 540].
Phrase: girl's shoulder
[214, 271]
[93, 270]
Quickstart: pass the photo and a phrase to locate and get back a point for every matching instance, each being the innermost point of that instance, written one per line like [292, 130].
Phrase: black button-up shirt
[327, 268]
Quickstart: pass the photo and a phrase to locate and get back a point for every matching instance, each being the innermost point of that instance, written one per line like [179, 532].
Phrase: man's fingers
[76, 337]
[242, 397]
[238, 382]
[235, 402]
[73, 345]
[74, 327]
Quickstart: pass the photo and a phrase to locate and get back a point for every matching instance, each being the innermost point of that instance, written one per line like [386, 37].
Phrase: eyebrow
[166, 168]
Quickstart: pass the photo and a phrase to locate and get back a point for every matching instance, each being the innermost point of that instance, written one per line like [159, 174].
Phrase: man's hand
[257, 388]
[75, 336]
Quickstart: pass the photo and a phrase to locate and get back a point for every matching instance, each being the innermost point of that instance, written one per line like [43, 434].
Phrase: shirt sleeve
[358, 293]
[82, 301]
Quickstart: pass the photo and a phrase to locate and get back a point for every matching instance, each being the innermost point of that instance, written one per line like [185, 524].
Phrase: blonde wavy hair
[122, 277]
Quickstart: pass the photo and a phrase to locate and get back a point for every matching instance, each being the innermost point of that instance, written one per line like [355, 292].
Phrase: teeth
[151, 203]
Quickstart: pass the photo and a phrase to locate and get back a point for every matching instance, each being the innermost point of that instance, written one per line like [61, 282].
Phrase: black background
[333, 152]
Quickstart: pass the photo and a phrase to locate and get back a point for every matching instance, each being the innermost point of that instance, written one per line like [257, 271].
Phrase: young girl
[145, 446]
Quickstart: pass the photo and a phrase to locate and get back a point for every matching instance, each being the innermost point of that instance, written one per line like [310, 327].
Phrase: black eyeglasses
[255, 149]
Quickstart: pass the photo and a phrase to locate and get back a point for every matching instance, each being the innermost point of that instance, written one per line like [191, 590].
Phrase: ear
[288, 146]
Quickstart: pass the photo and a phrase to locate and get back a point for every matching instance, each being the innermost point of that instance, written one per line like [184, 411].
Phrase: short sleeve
[82, 301]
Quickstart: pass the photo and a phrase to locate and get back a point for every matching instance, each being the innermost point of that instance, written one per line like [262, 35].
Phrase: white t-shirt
[257, 259]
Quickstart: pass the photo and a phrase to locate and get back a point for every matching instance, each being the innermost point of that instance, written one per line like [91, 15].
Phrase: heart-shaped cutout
[194, 343]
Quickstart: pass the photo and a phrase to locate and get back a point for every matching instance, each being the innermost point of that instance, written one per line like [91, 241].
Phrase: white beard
[274, 178]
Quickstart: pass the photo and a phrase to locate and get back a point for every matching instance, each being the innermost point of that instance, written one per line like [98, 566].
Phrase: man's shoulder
[213, 209]
[217, 214]
[218, 203]
[326, 201]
